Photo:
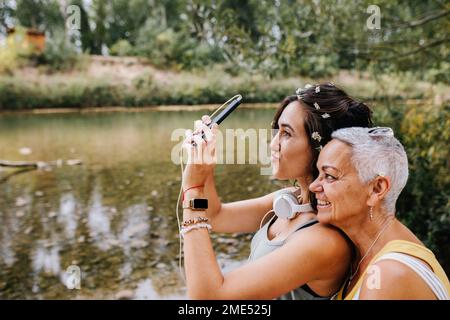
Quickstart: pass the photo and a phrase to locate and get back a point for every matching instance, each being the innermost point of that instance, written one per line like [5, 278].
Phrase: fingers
[214, 129]
[197, 125]
[206, 119]
[198, 149]
[187, 136]
[201, 150]
[207, 132]
[201, 127]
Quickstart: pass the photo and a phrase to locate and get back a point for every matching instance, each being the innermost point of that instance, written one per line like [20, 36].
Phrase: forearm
[203, 275]
[210, 192]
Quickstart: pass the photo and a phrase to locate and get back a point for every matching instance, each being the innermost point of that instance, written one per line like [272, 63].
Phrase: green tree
[43, 15]
[7, 13]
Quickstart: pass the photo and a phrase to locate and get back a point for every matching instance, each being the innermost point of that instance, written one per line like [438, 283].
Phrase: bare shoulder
[327, 237]
[325, 243]
[393, 280]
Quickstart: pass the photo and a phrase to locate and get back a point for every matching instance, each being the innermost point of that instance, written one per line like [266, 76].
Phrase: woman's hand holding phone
[200, 145]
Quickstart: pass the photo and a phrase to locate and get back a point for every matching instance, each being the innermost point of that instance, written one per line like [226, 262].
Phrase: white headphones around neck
[286, 206]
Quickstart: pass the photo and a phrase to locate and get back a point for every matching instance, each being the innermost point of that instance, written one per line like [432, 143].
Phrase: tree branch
[429, 45]
[422, 21]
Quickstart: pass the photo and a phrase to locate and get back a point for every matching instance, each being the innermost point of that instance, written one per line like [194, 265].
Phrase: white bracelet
[185, 230]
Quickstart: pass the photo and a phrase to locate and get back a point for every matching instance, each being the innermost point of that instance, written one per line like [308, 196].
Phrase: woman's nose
[275, 143]
[316, 186]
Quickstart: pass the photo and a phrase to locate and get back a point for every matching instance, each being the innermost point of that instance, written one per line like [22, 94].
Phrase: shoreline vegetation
[122, 82]
[169, 108]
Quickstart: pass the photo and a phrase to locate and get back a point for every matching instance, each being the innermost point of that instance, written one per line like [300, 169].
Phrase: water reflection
[67, 214]
[99, 221]
[46, 259]
[114, 216]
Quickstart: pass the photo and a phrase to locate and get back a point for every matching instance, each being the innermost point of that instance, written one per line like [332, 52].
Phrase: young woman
[295, 258]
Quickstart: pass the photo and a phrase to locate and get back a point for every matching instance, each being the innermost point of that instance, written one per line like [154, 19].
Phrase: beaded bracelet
[194, 221]
[200, 225]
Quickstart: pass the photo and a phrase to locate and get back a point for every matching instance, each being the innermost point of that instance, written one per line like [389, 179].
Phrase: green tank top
[261, 245]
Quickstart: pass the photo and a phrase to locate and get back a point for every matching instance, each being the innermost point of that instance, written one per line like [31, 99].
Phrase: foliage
[122, 48]
[424, 204]
[60, 54]
[277, 38]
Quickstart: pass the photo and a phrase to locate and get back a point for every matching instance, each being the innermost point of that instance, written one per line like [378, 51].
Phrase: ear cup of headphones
[285, 205]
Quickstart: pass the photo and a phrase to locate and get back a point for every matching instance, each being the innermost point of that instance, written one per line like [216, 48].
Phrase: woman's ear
[379, 187]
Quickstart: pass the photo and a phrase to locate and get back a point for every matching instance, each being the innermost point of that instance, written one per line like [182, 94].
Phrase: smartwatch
[198, 204]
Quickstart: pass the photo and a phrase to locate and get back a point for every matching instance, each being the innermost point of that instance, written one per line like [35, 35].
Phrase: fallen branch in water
[38, 164]
[17, 172]
[18, 164]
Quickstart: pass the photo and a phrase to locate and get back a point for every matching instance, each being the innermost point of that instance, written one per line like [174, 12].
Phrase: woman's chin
[277, 175]
[324, 215]
[275, 172]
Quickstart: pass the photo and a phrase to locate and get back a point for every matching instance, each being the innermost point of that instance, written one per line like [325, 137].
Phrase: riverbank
[168, 108]
[132, 82]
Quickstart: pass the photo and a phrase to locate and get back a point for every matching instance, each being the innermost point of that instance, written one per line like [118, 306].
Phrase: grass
[119, 84]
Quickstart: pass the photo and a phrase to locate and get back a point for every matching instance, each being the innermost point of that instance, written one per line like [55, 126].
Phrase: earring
[371, 213]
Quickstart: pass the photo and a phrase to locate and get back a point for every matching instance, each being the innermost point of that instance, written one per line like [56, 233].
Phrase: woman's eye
[285, 133]
[329, 177]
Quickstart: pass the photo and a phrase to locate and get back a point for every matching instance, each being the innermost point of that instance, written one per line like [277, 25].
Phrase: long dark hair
[327, 109]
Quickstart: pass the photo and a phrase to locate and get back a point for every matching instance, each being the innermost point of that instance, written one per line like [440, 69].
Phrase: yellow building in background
[31, 41]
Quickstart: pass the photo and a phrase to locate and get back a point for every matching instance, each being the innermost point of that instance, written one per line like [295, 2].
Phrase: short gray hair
[375, 151]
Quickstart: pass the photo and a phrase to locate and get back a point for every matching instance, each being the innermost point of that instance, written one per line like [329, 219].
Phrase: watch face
[200, 203]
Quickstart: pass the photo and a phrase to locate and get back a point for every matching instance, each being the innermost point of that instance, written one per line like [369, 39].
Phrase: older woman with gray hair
[361, 174]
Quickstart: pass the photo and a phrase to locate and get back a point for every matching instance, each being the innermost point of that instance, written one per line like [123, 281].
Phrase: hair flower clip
[317, 89]
[316, 105]
[316, 136]
[326, 115]
[299, 92]
[307, 86]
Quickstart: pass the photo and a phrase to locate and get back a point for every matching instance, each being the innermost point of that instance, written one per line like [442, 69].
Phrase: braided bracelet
[200, 225]
[194, 221]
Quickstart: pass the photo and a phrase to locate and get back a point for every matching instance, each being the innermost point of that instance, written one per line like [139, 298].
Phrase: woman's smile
[323, 204]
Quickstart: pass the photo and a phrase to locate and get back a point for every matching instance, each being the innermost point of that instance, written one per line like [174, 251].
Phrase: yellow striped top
[407, 247]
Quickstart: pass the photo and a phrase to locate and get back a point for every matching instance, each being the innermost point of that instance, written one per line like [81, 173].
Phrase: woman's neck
[369, 234]
[303, 184]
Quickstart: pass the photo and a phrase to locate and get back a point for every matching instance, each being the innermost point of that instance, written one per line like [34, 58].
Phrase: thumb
[214, 128]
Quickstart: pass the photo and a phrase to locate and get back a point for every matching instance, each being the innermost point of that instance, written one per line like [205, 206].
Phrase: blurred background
[91, 91]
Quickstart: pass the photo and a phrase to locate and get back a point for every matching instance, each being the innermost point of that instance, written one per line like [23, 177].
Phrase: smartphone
[224, 113]
[227, 111]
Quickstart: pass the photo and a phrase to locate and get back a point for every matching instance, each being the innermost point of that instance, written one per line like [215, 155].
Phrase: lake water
[113, 217]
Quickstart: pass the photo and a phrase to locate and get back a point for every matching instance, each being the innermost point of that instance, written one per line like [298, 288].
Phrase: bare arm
[238, 216]
[316, 253]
